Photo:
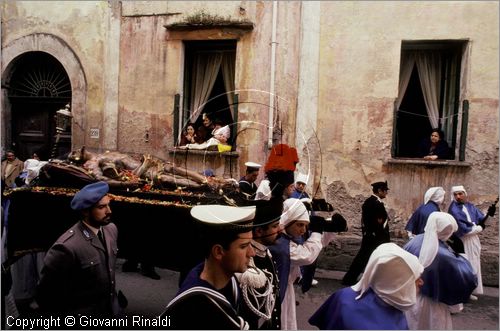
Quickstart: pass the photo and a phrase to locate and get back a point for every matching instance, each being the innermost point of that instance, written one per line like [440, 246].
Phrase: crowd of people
[212, 133]
[255, 254]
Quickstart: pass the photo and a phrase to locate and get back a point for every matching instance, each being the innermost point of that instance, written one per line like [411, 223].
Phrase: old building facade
[352, 85]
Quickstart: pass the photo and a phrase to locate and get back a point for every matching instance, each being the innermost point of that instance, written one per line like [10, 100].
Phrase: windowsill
[175, 150]
[422, 162]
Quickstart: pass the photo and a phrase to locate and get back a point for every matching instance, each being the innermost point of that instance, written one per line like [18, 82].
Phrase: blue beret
[89, 195]
[208, 173]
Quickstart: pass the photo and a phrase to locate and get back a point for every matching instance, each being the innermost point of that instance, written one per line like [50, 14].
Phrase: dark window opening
[216, 99]
[413, 124]
[435, 77]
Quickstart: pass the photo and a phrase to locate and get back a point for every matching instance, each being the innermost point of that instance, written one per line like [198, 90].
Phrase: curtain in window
[205, 71]
[407, 64]
[429, 71]
[228, 72]
[450, 96]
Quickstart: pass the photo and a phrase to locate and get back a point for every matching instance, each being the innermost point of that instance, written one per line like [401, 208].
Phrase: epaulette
[66, 235]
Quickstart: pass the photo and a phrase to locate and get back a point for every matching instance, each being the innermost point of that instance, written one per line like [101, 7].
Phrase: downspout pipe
[272, 80]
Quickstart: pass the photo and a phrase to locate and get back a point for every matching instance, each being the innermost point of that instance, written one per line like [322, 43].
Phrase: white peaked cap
[301, 178]
[435, 194]
[253, 165]
[293, 210]
[223, 215]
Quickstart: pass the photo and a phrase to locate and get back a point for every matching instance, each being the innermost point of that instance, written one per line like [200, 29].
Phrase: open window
[209, 83]
[429, 86]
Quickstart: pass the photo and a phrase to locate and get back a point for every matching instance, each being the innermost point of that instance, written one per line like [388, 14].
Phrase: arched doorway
[38, 87]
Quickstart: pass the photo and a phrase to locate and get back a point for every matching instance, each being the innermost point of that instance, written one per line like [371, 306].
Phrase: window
[209, 83]
[429, 87]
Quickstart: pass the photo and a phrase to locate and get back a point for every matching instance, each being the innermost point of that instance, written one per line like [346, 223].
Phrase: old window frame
[450, 49]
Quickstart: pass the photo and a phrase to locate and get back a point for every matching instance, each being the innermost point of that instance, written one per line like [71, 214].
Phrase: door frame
[63, 53]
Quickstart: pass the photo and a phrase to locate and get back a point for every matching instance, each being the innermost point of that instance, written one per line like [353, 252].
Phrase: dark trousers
[368, 244]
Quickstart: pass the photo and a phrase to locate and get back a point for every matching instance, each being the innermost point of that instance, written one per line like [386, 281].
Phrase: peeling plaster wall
[358, 76]
[359, 57]
[145, 114]
[151, 62]
[80, 24]
[360, 54]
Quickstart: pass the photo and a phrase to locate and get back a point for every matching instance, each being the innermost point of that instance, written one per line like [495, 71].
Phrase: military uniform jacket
[249, 189]
[76, 277]
[372, 210]
[274, 323]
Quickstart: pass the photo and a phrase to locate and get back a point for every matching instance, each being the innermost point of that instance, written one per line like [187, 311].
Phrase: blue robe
[280, 252]
[341, 311]
[299, 195]
[418, 220]
[464, 226]
[449, 279]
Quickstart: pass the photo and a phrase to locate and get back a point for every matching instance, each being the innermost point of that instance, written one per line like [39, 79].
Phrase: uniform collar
[93, 229]
[378, 198]
[260, 249]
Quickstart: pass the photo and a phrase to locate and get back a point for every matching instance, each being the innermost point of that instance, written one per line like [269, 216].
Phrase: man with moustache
[471, 221]
[260, 283]
[78, 276]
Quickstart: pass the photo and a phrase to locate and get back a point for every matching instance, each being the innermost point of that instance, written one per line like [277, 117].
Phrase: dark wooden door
[34, 130]
[38, 88]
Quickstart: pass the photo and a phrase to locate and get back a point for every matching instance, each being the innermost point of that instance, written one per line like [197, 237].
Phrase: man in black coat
[263, 311]
[78, 276]
[375, 229]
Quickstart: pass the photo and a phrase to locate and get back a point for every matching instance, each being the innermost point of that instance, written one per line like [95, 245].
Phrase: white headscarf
[224, 131]
[301, 178]
[458, 188]
[293, 210]
[440, 226]
[391, 272]
[435, 194]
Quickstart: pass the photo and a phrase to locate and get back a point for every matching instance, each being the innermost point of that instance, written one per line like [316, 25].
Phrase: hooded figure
[448, 277]
[470, 222]
[300, 187]
[433, 198]
[291, 252]
[387, 288]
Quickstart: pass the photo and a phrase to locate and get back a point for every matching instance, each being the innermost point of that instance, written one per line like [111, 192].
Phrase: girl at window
[189, 136]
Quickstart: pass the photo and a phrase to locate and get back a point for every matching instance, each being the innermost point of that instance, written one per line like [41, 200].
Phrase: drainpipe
[273, 68]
